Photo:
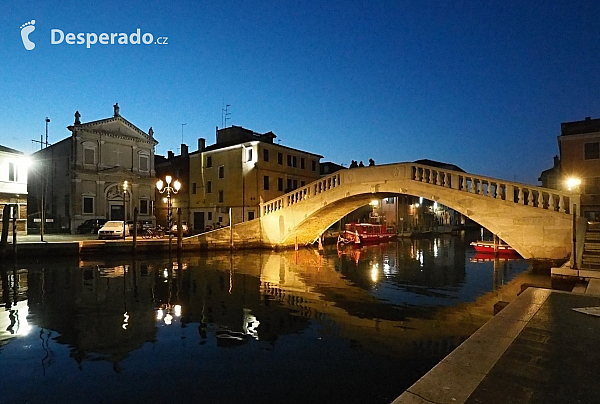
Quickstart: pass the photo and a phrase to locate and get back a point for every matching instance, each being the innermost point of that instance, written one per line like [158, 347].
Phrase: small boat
[365, 233]
[487, 247]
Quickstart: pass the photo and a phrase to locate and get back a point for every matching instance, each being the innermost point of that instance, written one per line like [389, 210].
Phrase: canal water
[359, 325]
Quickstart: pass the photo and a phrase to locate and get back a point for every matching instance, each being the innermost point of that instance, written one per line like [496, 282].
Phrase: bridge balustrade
[315, 188]
[522, 194]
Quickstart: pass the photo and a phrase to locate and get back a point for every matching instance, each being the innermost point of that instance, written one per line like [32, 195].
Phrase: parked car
[184, 228]
[90, 226]
[113, 229]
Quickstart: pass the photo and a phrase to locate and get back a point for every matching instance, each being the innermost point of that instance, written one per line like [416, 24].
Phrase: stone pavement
[52, 238]
[536, 350]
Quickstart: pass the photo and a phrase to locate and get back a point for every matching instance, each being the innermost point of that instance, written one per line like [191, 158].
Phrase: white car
[113, 229]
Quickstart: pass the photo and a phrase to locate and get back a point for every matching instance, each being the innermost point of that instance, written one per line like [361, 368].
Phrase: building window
[266, 182]
[251, 215]
[302, 163]
[294, 161]
[12, 171]
[144, 160]
[280, 184]
[266, 154]
[592, 151]
[295, 182]
[89, 155]
[280, 158]
[221, 196]
[88, 204]
[67, 201]
[209, 187]
[289, 160]
[314, 165]
[193, 188]
[221, 172]
[302, 183]
[220, 219]
[144, 206]
[389, 201]
[209, 216]
[208, 161]
[249, 155]
[289, 185]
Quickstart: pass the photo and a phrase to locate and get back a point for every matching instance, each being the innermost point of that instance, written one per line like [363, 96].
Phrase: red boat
[487, 247]
[366, 233]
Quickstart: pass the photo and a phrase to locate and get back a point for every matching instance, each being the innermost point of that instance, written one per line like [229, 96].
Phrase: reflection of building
[579, 147]
[239, 171]
[85, 173]
[13, 184]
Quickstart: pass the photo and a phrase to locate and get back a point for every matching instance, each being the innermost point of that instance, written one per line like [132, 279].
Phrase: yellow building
[242, 169]
[579, 146]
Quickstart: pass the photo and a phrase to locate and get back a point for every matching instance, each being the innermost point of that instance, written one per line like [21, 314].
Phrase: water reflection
[370, 321]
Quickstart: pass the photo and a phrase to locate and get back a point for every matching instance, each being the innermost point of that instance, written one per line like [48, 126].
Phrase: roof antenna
[224, 115]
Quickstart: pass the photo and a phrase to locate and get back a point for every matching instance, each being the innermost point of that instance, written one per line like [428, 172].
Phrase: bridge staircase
[591, 248]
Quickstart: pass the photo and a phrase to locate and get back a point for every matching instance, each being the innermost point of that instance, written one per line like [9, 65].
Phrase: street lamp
[162, 188]
[124, 209]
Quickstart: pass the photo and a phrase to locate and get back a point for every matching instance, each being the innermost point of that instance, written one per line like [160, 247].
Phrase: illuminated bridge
[535, 221]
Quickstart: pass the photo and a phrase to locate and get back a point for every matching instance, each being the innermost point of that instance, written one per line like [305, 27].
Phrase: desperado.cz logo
[57, 36]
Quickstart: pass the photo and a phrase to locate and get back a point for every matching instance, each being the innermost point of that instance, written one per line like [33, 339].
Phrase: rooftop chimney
[184, 150]
[170, 154]
[201, 144]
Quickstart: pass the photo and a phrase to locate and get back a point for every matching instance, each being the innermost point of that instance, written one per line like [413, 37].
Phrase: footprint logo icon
[27, 29]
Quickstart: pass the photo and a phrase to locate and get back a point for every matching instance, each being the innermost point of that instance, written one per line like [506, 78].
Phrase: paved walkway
[52, 238]
[536, 350]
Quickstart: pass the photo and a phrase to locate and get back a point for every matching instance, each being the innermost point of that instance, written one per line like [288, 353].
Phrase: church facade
[83, 176]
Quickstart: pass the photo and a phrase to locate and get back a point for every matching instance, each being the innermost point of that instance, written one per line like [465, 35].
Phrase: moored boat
[366, 233]
[488, 247]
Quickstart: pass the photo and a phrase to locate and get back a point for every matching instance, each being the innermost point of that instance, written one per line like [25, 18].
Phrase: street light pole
[124, 208]
[162, 188]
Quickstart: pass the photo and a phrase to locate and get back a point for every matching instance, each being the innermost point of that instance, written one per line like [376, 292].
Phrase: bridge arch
[535, 221]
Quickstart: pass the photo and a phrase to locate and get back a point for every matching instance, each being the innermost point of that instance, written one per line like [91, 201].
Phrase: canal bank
[541, 348]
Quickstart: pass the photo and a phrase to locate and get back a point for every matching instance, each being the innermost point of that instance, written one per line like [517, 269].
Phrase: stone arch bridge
[535, 221]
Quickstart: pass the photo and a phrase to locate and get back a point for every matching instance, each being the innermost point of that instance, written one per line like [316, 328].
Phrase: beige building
[83, 175]
[13, 185]
[239, 171]
[579, 147]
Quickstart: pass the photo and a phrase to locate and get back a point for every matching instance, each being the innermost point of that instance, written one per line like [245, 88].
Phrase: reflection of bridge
[536, 221]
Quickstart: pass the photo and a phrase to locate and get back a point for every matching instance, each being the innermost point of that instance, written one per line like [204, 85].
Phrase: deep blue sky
[480, 84]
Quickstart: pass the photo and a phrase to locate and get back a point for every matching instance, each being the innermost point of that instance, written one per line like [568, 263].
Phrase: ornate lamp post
[162, 188]
[124, 209]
